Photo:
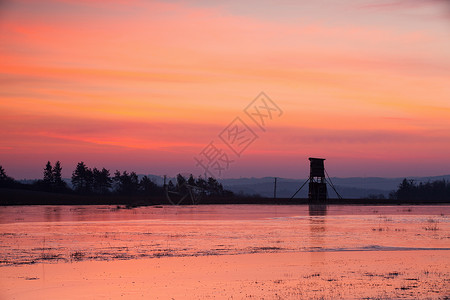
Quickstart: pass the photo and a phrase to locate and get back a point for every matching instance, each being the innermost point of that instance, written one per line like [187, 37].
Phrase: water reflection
[317, 222]
[152, 232]
[317, 229]
[52, 214]
[317, 210]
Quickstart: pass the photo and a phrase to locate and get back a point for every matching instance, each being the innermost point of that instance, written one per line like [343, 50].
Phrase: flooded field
[225, 251]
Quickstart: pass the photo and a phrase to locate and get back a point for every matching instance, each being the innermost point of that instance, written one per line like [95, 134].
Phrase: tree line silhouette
[410, 190]
[87, 181]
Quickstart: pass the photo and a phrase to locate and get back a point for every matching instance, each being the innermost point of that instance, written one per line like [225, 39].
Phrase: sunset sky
[147, 85]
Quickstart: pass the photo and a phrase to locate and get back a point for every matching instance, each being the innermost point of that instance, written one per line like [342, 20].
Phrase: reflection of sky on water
[317, 227]
[106, 233]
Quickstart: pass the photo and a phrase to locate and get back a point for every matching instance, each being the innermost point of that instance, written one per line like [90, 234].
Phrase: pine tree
[170, 186]
[191, 180]
[126, 183]
[5, 180]
[181, 184]
[213, 186]
[101, 181]
[147, 186]
[106, 180]
[82, 178]
[3, 175]
[57, 177]
[48, 175]
[134, 183]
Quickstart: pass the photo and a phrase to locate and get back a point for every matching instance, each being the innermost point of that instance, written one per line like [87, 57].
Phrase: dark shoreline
[11, 197]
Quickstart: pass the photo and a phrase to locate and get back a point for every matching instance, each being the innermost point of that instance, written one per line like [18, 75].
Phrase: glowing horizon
[145, 86]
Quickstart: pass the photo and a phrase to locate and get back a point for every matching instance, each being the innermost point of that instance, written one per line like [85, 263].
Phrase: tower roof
[314, 158]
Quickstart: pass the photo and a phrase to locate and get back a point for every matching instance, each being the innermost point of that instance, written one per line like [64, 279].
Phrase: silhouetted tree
[191, 180]
[58, 183]
[48, 175]
[116, 181]
[181, 184]
[3, 175]
[82, 178]
[52, 180]
[101, 181]
[148, 187]
[406, 189]
[46, 183]
[201, 183]
[134, 183]
[126, 183]
[170, 186]
[56, 174]
[214, 187]
[5, 180]
[409, 190]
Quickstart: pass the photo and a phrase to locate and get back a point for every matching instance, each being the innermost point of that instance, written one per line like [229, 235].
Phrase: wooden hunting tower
[317, 181]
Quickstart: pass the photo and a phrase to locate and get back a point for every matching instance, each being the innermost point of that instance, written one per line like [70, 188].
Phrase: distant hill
[351, 187]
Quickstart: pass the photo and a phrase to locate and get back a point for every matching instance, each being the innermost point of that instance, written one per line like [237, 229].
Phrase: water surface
[36, 234]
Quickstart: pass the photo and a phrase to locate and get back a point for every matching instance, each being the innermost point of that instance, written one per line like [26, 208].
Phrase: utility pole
[275, 189]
